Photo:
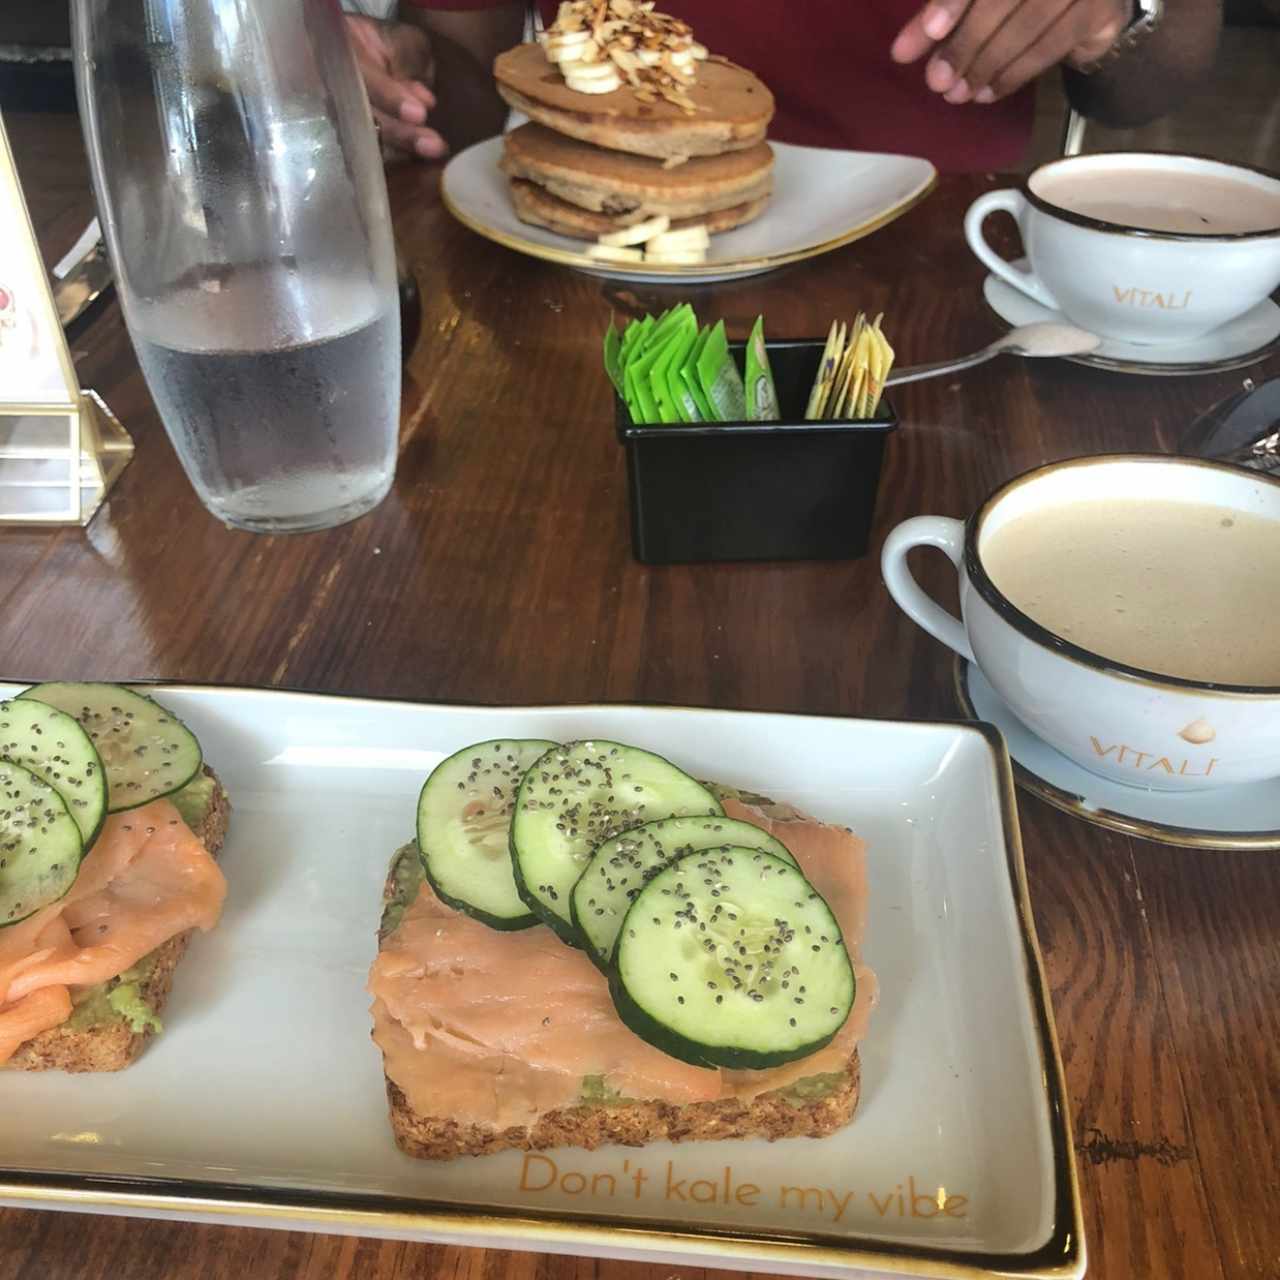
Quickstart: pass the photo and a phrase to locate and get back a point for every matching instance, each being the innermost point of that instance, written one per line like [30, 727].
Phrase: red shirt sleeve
[834, 81]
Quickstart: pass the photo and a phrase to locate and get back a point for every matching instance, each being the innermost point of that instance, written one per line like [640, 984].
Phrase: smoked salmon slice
[147, 879]
[41, 1010]
[522, 1007]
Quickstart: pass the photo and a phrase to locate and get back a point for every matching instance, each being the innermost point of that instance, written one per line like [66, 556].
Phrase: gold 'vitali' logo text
[1150, 761]
[1151, 299]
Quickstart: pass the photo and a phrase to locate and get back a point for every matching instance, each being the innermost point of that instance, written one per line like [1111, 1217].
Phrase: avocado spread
[811, 1088]
[406, 876]
[119, 998]
[595, 1093]
[193, 801]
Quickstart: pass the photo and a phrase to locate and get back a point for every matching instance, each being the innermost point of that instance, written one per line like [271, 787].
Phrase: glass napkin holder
[57, 463]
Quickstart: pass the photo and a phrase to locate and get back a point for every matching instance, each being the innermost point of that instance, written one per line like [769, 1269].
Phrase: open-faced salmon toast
[97, 906]
[498, 1032]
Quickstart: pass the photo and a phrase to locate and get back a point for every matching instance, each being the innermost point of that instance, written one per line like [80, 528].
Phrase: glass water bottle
[242, 197]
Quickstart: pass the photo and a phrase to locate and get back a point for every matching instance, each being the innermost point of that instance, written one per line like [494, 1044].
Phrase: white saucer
[821, 200]
[1244, 817]
[1246, 340]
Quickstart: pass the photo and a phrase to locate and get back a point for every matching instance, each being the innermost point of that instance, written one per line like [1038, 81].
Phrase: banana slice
[593, 86]
[591, 70]
[566, 46]
[594, 77]
[638, 233]
[614, 253]
[684, 240]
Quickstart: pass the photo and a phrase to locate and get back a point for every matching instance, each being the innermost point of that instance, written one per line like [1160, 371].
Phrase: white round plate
[1244, 817]
[1246, 340]
[821, 200]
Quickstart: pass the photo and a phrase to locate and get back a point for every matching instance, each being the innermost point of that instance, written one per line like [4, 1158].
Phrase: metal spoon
[1035, 340]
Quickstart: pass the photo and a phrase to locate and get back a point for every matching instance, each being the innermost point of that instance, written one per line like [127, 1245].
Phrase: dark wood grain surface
[499, 571]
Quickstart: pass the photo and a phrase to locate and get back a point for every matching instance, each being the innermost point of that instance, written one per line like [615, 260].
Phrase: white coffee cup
[1131, 726]
[1128, 281]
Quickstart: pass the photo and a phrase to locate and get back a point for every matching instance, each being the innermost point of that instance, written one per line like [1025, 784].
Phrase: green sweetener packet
[612, 357]
[762, 399]
[629, 360]
[675, 321]
[678, 338]
[689, 376]
[658, 383]
[720, 379]
[639, 394]
[668, 368]
[633, 337]
[637, 339]
[648, 395]
[639, 371]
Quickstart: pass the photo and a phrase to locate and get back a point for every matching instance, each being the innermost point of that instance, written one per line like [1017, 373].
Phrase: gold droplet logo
[1198, 732]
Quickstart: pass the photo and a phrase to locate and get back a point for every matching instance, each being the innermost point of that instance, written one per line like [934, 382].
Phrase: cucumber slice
[578, 796]
[730, 958]
[464, 829]
[147, 751]
[55, 748]
[621, 867]
[40, 845]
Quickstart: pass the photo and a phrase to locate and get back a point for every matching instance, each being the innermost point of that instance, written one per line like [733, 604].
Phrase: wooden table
[499, 571]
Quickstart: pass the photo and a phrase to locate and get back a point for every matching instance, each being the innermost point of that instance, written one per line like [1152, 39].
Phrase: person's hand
[982, 50]
[395, 61]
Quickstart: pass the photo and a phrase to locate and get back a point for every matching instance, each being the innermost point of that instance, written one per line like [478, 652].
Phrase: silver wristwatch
[383, 9]
[1146, 18]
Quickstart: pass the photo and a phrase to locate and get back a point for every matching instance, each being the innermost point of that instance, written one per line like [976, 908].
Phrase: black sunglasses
[1244, 428]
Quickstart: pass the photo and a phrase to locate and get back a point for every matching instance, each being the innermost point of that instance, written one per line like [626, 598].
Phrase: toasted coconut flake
[638, 41]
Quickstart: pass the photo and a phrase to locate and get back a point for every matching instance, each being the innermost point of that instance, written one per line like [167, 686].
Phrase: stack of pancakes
[590, 164]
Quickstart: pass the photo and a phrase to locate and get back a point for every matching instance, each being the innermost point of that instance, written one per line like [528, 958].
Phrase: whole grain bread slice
[781, 1113]
[632, 1124]
[112, 1044]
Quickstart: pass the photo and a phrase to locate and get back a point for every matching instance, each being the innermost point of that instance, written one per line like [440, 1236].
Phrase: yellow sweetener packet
[883, 364]
[855, 407]
[826, 376]
[838, 407]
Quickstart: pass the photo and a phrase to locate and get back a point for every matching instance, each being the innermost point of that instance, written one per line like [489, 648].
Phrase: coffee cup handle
[1013, 202]
[925, 531]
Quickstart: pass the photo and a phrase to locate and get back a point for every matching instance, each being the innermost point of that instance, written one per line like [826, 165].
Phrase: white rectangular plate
[263, 1100]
